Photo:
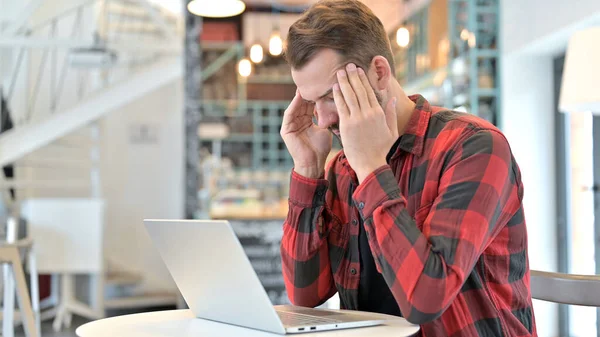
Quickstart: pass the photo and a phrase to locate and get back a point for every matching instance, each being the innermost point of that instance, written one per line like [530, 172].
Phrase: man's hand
[367, 131]
[308, 145]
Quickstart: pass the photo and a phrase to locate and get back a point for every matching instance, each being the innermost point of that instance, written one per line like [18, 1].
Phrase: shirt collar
[413, 139]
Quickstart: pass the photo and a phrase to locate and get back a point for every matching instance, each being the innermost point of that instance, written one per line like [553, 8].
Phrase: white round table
[182, 323]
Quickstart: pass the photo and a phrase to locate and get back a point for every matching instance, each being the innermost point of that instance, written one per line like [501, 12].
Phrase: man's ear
[382, 72]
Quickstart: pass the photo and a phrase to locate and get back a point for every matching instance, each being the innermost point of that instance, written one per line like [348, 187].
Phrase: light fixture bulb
[256, 53]
[472, 40]
[216, 8]
[403, 37]
[245, 67]
[275, 44]
[465, 34]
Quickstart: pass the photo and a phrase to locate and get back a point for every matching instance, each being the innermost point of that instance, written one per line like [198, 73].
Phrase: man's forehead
[317, 76]
[313, 88]
[316, 91]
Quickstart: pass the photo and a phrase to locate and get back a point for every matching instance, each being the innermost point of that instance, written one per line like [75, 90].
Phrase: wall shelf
[260, 144]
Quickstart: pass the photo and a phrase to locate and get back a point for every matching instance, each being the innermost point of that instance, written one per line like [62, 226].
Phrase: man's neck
[404, 106]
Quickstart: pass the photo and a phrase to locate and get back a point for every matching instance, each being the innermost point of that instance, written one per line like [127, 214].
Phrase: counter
[261, 238]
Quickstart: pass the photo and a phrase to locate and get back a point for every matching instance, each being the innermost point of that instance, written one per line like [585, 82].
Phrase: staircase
[27, 138]
[95, 57]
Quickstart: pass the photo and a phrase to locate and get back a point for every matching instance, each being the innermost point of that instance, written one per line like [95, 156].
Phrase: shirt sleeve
[304, 249]
[426, 268]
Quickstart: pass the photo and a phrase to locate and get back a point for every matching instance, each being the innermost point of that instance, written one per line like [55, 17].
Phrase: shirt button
[354, 222]
[361, 205]
[353, 271]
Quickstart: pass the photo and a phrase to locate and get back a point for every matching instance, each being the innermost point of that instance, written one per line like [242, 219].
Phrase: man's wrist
[310, 172]
[363, 173]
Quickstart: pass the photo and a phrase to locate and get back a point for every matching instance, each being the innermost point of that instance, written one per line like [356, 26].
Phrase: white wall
[143, 180]
[533, 33]
[526, 22]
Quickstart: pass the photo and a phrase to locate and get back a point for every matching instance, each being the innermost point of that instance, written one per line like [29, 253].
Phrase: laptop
[217, 281]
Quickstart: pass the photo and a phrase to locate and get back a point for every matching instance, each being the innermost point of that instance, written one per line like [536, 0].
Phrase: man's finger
[391, 117]
[300, 124]
[340, 102]
[311, 112]
[348, 93]
[358, 86]
[295, 105]
[309, 109]
[368, 88]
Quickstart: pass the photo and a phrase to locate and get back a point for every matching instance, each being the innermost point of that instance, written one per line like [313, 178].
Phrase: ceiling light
[472, 40]
[275, 44]
[256, 53]
[216, 9]
[245, 68]
[403, 37]
[465, 34]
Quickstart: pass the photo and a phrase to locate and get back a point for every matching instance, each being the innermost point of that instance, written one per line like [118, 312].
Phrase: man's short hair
[348, 27]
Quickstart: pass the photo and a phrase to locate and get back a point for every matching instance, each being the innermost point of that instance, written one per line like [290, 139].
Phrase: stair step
[122, 279]
[38, 162]
[143, 300]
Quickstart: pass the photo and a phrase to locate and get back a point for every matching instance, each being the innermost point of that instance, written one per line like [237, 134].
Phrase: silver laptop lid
[213, 273]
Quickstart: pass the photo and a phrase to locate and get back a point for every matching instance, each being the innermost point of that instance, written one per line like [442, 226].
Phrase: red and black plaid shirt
[445, 224]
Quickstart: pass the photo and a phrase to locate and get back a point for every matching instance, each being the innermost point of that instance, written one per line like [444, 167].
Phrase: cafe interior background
[114, 111]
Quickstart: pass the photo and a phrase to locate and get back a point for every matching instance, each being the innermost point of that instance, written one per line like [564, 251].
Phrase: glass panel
[581, 202]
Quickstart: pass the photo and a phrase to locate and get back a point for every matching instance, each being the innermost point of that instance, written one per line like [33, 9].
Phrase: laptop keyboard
[296, 319]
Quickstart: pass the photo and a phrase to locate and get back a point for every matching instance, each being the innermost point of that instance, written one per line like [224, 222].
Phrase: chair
[574, 289]
[11, 252]
[68, 236]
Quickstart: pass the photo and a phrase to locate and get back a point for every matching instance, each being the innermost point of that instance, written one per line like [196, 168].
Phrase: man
[420, 215]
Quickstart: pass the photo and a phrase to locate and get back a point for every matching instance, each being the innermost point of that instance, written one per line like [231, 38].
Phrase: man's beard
[335, 128]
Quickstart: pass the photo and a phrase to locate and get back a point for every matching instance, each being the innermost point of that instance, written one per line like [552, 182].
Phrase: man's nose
[325, 116]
